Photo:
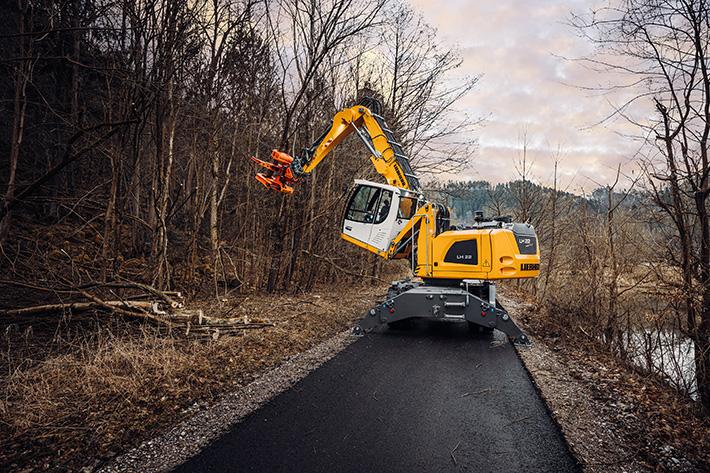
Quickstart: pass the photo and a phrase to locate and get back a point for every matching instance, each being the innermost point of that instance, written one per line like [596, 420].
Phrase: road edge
[189, 437]
[574, 453]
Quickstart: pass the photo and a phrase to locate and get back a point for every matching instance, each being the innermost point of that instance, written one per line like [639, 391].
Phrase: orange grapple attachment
[280, 176]
[280, 157]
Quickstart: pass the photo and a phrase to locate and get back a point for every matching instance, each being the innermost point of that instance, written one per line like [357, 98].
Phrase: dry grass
[69, 400]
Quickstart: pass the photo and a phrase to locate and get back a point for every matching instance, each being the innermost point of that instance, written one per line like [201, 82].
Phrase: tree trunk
[22, 77]
[702, 338]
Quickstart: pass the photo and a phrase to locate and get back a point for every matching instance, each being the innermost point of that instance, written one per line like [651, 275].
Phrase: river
[666, 353]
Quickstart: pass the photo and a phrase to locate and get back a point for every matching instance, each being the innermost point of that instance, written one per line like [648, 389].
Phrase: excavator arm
[386, 154]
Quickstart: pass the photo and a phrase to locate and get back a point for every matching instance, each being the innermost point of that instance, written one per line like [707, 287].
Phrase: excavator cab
[376, 213]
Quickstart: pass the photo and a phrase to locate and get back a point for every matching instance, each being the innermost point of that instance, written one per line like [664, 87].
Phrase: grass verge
[615, 417]
[78, 392]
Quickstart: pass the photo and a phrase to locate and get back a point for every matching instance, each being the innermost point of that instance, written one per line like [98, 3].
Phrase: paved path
[431, 398]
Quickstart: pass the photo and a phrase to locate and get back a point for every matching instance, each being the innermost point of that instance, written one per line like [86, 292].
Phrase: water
[666, 353]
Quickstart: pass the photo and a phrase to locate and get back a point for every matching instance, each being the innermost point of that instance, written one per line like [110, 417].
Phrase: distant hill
[523, 200]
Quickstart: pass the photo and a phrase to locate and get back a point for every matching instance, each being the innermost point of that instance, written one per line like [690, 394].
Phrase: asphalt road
[431, 398]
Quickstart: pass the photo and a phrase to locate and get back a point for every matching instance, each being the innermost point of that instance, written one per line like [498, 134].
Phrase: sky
[530, 84]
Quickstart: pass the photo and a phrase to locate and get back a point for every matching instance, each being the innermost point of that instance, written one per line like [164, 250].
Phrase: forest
[124, 170]
[138, 120]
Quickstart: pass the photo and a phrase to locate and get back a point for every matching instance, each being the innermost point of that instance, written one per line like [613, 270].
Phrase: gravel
[208, 422]
[585, 421]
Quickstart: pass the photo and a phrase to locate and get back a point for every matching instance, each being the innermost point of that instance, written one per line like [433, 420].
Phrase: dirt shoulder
[614, 418]
[209, 421]
[103, 391]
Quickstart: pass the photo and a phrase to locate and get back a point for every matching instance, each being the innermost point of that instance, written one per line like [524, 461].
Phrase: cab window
[369, 205]
[407, 208]
[383, 208]
[363, 198]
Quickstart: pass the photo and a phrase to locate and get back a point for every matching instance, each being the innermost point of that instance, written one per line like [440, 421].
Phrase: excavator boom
[387, 154]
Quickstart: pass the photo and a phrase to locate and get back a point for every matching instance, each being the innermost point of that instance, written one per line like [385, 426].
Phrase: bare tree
[22, 72]
[663, 46]
[306, 35]
[415, 79]
[525, 195]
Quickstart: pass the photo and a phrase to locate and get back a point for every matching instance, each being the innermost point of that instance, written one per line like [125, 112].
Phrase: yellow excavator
[456, 268]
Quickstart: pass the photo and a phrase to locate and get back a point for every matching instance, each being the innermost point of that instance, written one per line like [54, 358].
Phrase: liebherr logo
[530, 267]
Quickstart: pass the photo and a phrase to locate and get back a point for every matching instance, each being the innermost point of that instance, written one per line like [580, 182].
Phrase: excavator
[455, 268]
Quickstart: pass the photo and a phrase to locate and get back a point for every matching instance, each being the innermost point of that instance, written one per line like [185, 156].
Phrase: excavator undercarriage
[474, 301]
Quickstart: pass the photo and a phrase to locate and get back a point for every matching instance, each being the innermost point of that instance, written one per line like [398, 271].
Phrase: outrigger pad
[506, 325]
[280, 176]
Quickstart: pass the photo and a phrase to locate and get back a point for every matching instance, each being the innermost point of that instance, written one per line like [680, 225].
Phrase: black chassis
[471, 301]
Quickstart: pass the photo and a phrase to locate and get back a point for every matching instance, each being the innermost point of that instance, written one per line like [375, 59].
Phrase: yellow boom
[386, 154]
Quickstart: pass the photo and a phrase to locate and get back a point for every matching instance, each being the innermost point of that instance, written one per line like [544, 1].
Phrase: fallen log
[140, 312]
[167, 296]
[229, 327]
[166, 308]
[76, 307]
[207, 320]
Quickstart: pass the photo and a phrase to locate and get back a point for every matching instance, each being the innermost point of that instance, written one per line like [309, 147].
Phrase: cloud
[529, 87]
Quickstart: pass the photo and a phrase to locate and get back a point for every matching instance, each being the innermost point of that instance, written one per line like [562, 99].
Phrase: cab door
[384, 218]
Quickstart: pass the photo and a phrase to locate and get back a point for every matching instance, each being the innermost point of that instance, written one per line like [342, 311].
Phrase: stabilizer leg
[368, 323]
[505, 324]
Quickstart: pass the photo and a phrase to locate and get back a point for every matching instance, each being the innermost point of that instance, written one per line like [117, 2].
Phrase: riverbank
[615, 418]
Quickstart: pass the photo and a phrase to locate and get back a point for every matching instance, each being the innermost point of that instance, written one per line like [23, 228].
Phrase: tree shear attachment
[280, 176]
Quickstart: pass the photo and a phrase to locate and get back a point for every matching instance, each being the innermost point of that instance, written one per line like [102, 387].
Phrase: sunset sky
[518, 47]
